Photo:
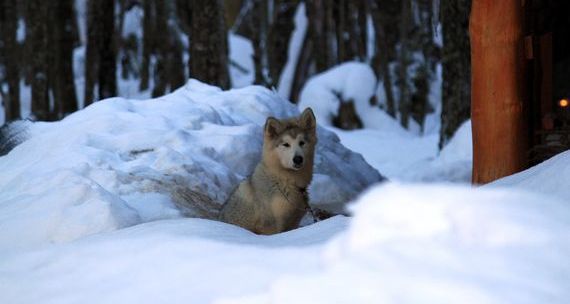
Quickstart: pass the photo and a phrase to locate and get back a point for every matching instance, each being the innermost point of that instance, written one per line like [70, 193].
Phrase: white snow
[405, 244]
[439, 244]
[348, 81]
[121, 162]
[550, 177]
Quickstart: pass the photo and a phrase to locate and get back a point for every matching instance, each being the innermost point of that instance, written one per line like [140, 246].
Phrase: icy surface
[121, 162]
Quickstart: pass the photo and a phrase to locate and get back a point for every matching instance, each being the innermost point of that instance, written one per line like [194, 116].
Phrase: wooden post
[498, 101]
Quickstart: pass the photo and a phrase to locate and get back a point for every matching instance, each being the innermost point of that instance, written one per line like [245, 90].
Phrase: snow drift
[404, 244]
[440, 244]
[120, 162]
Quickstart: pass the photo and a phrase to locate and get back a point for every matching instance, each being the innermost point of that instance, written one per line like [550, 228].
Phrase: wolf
[274, 198]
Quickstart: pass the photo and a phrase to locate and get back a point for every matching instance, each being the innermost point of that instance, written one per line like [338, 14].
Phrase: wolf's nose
[298, 160]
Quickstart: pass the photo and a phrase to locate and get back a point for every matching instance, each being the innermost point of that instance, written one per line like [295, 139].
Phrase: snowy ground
[89, 213]
[92, 208]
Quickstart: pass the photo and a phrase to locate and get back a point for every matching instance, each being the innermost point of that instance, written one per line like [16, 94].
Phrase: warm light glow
[563, 103]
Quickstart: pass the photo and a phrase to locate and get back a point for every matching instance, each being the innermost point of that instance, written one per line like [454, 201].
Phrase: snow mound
[404, 156]
[440, 244]
[169, 261]
[550, 177]
[350, 81]
[120, 162]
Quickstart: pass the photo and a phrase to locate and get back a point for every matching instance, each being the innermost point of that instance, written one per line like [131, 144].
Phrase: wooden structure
[516, 120]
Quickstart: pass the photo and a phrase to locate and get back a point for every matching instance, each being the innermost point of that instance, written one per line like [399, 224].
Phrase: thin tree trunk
[9, 25]
[148, 45]
[380, 60]
[92, 57]
[456, 67]
[62, 80]
[316, 31]
[107, 50]
[403, 63]
[37, 26]
[279, 36]
[161, 48]
[208, 46]
[260, 24]
[302, 68]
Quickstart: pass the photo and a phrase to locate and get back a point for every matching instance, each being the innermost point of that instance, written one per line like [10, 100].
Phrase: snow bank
[404, 244]
[169, 261]
[350, 81]
[440, 244]
[120, 162]
[549, 177]
[403, 156]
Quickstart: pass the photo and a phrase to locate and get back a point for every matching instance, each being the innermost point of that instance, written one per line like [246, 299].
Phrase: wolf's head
[290, 143]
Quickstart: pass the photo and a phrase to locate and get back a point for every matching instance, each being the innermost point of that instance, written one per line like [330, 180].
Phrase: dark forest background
[188, 38]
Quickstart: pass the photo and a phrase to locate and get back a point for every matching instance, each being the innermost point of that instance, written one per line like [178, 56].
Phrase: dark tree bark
[38, 34]
[315, 10]
[108, 51]
[62, 81]
[456, 64]
[101, 62]
[161, 40]
[403, 63]
[208, 46]
[279, 36]
[10, 49]
[148, 42]
[176, 63]
[260, 23]
[302, 68]
[380, 61]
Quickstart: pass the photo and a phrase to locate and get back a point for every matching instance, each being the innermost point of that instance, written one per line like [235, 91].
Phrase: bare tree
[208, 43]
[37, 24]
[100, 63]
[61, 39]
[279, 35]
[456, 63]
[381, 58]
[10, 50]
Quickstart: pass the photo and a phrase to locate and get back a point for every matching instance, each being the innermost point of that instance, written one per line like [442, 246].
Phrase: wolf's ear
[272, 127]
[307, 120]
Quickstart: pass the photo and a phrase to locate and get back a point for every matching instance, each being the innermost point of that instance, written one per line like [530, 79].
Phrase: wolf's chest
[284, 207]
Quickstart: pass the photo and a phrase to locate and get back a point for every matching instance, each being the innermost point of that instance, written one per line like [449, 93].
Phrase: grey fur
[274, 198]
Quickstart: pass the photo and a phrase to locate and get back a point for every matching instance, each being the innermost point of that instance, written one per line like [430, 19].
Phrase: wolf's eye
[301, 143]
[286, 145]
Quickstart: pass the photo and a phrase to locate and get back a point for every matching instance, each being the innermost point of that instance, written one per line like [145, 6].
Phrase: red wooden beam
[499, 121]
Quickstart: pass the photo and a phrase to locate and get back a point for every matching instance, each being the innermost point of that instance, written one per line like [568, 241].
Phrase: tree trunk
[9, 27]
[380, 60]
[148, 45]
[316, 31]
[403, 63]
[260, 23]
[456, 67]
[38, 31]
[62, 80]
[499, 96]
[101, 58]
[107, 50]
[161, 39]
[208, 47]
[302, 68]
[279, 36]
